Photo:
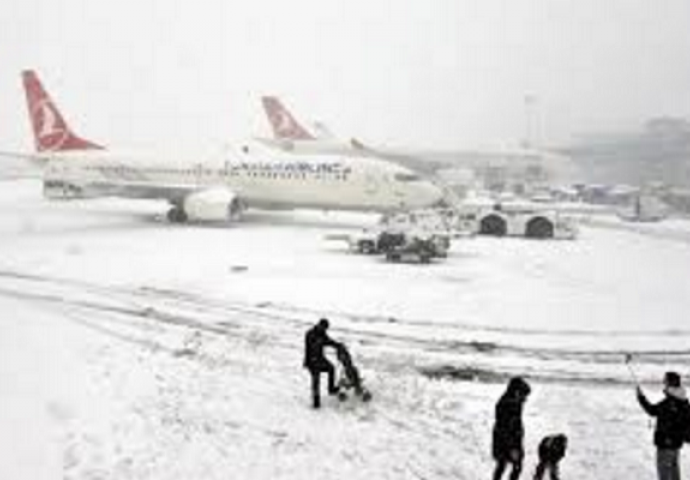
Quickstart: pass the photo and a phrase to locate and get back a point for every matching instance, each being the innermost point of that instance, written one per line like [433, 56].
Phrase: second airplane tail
[51, 132]
[284, 125]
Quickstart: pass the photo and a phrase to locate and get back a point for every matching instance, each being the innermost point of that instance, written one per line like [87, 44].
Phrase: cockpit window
[407, 177]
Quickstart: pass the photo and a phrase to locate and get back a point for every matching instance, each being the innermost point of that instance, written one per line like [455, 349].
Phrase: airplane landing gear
[177, 215]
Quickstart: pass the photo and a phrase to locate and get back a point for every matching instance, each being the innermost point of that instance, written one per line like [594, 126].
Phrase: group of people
[672, 414]
[672, 430]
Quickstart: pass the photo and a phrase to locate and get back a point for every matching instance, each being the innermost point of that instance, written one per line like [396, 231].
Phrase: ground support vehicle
[520, 219]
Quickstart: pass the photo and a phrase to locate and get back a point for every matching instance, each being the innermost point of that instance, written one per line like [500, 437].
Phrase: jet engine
[211, 205]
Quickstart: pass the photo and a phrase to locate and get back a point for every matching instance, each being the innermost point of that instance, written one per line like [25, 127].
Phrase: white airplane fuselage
[252, 178]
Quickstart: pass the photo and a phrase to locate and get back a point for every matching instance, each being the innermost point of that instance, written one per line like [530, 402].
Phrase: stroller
[350, 378]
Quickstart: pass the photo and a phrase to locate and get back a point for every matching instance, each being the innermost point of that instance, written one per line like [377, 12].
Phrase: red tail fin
[51, 132]
[284, 125]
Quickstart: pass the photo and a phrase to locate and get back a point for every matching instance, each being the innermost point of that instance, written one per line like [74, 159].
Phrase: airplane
[289, 134]
[214, 188]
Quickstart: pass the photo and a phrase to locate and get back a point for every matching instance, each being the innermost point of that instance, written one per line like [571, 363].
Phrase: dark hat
[672, 379]
[323, 323]
[519, 385]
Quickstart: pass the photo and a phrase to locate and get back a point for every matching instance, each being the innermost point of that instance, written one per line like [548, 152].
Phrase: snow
[135, 349]
[671, 229]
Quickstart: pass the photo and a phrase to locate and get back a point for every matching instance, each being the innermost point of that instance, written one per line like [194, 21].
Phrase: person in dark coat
[315, 341]
[671, 414]
[508, 430]
[551, 452]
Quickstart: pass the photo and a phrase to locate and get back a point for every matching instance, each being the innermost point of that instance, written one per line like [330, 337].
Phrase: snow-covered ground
[673, 229]
[134, 349]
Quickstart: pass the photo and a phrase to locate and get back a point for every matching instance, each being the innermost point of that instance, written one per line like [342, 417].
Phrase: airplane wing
[195, 202]
[143, 190]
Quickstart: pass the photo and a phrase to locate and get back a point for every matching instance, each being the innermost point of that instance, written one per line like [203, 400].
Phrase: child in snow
[551, 452]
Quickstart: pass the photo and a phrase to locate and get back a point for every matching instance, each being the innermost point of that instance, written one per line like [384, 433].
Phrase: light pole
[530, 104]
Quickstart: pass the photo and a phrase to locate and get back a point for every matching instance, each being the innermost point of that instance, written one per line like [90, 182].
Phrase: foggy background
[442, 74]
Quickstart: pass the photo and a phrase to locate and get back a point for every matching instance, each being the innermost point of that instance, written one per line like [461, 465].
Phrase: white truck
[418, 236]
[400, 245]
[517, 218]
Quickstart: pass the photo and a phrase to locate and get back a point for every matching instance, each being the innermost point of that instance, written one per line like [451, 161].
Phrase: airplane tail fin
[284, 125]
[51, 132]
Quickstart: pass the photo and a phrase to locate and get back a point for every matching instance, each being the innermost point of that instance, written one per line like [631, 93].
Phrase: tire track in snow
[381, 349]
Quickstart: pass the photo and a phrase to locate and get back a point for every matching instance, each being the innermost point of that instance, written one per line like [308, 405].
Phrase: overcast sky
[445, 73]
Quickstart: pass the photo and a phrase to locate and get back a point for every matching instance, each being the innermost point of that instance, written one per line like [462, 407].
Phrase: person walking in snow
[508, 432]
[315, 341]
[671, 415]
[551, 451]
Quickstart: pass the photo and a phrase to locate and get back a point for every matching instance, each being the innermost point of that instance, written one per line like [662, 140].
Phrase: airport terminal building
[659, 153]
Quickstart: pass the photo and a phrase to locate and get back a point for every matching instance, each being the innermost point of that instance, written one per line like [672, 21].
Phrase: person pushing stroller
[315, 342]
[315, 361]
